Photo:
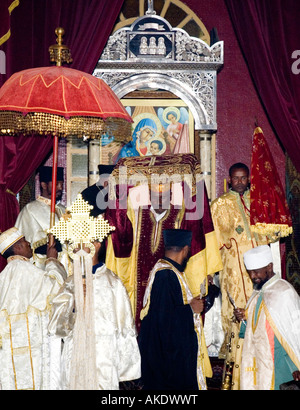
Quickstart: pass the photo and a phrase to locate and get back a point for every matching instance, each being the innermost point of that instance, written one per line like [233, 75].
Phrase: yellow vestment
[200, 265]
[231, 218]
[137, 242]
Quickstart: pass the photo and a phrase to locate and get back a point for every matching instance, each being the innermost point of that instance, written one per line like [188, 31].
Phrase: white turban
[8, 238]
[258, 257]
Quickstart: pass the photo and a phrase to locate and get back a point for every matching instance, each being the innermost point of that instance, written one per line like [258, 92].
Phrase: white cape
[28, 356]
[283, 305]
[117, 352]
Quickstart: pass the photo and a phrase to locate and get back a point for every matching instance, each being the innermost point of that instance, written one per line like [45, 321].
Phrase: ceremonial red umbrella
[62, 102]
[269, 214]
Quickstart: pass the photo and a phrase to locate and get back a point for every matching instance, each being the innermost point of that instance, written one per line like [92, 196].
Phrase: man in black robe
[97, 194]
[171, 333]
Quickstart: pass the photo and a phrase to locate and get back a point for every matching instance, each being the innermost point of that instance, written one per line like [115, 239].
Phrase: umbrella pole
[53, 191]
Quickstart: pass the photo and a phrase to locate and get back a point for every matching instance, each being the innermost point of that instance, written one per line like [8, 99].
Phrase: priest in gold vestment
[163, 192]
[231, 218]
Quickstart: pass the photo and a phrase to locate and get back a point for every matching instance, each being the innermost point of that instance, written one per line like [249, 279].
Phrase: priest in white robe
[29, 358]
[117, 356]
[33, 220]
[271, 349]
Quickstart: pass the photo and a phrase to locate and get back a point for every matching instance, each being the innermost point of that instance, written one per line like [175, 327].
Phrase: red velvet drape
[268, 33]
[87, 24]
[19, 157]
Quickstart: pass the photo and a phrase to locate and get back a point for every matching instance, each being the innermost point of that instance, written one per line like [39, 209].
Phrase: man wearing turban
[271, 348]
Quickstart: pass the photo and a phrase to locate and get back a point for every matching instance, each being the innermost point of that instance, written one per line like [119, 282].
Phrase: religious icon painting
[160, 127]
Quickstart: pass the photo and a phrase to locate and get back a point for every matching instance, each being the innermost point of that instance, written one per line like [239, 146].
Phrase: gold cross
[253, 369]
[77, 226]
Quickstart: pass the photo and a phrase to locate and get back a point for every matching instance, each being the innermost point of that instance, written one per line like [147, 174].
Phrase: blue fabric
[129, 150]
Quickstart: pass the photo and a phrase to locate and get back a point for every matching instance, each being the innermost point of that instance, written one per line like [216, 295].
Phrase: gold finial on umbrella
[60, 53]
[62, 102]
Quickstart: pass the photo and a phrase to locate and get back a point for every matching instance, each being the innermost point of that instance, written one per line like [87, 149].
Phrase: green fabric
[284, 367]
[242, 330]
[259, 300]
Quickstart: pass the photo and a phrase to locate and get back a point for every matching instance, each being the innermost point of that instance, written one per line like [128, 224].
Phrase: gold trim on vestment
[22, 350]
[156, 239]
[164, 265]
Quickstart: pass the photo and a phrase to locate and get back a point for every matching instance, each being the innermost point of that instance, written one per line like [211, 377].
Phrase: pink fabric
[270, 334]
[61, 91]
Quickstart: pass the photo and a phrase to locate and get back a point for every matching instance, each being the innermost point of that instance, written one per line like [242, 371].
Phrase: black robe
[167, 339]
[90, 194]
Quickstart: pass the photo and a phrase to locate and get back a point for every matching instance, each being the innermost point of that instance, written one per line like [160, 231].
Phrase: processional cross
[78, 228]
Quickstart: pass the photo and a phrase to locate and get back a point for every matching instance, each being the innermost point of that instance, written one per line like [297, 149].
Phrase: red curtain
[19, 157]
[87, 24]
[268, 33]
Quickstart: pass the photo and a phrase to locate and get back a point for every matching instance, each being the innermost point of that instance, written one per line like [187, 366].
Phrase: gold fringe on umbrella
[15, 123]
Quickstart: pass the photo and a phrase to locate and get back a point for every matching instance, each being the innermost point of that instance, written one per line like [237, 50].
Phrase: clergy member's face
[260, 276]
[23, 248]
[239, 180]
[47, 188]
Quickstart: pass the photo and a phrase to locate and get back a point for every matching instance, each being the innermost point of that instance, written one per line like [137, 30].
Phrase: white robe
[117, 352]
[28, 356]
[280, 308]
